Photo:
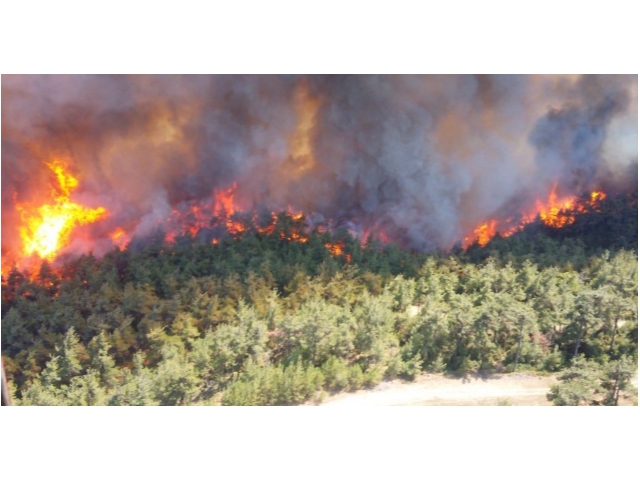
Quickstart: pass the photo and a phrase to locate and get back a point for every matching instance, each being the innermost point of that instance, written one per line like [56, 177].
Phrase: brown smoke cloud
[424, 158]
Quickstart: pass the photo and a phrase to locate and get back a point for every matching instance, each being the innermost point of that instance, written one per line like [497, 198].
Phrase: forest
[261, 319]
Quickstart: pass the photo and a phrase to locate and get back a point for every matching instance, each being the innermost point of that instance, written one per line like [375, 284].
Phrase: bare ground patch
[508, 389]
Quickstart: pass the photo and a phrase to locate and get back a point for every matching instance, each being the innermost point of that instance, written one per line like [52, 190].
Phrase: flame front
[485, 232]
[555, 213]
[223, 211]
[46, 228]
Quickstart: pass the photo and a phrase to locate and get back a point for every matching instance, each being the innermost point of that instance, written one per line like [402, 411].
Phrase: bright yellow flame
[556, 213]
[597, 197]
[47, 228]
[485, 232]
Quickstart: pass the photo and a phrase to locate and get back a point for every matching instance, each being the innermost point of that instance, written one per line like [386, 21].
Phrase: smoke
[423, 159]
[569, 140]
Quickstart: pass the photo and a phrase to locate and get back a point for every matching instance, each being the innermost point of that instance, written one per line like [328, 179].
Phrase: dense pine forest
[261, 319]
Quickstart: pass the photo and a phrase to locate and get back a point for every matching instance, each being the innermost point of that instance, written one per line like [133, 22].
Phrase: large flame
[554, 212]
[225, 207]
[46, 228]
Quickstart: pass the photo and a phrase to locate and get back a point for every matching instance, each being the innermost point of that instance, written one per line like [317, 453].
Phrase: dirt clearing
[508, 389]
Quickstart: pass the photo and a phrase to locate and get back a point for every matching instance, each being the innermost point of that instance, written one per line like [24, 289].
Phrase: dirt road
[510, 389]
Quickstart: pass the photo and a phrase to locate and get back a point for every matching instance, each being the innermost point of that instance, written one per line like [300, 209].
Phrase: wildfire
[119, 237]
[224, 207]
[374, 234]
[223, 201]
[223, 214]
[555, 212]
[269, 228]
[294, 236]
[337, 249]
[47, 228]
[223, 211]
[485, 232]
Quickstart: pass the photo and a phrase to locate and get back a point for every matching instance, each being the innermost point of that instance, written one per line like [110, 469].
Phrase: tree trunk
[575, 351]
[615, 330]
[616, 386]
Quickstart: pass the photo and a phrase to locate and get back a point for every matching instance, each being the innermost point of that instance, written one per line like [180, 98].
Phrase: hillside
[263, 318]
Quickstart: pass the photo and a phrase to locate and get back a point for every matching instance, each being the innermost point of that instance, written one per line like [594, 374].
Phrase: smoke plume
[423, 159]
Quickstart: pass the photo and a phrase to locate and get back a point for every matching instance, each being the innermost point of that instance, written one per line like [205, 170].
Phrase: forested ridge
[261, 319]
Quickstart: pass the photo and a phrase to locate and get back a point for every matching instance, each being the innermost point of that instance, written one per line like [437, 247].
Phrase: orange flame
[119, 237]
[47, 228]
[555, 213]
[337, 250]
[220, 212]
[225, 207]
[485, 232]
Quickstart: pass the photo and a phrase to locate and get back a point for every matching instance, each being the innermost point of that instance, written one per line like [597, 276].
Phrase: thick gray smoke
[422, 158]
